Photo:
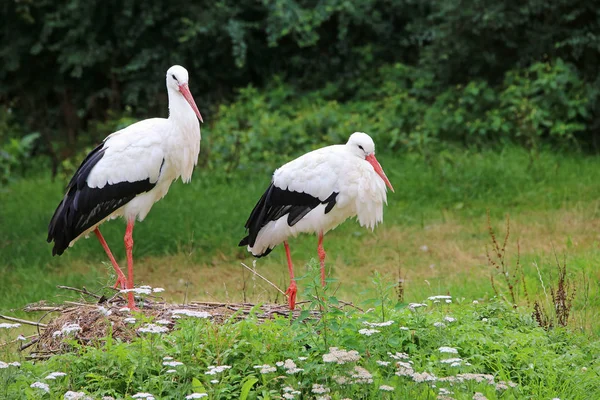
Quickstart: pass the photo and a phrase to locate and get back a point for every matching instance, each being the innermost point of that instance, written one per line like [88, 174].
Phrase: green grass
[188, 243]
[434, 237]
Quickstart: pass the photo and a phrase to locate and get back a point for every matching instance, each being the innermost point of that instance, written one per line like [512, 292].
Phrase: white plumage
[318, 191]
[129, 171]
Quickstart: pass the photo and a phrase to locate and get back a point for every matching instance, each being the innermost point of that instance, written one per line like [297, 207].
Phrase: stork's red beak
[377, 167]
[185, 91]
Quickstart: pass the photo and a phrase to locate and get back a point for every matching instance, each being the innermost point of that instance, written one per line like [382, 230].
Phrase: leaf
[197, 386]
[246, 387]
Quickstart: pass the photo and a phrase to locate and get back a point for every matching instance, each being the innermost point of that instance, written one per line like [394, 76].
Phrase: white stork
[315, 193]
[128, 172]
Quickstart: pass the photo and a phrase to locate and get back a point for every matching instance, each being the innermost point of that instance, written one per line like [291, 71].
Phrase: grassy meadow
[435, 240]
[434, 236]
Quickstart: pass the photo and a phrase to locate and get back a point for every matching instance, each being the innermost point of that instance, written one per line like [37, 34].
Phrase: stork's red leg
[129, 249]
[322, 254]
[121, 279]
[293, 289]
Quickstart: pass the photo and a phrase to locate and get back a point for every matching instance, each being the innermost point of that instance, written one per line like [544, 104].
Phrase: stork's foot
[291, 293]
[131, 302]
[121, 282]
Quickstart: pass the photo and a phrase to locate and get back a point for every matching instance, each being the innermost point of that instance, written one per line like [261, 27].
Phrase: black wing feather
[83, 206]
[277, 202]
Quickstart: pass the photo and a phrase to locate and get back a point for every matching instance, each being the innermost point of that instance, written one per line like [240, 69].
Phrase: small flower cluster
[378, 324]
[143, 395]
[213, 370]
[144, 289]
[290, 366]
[414, 306]
[70, 395]
[265, 368]
[289, 393]
[190, 313]
[40, 385]
[67, 329]
[4, 365]
[196, 396]
[340, 356]
[153, 328]
[5, 325]
[368, 332]
[54, 375]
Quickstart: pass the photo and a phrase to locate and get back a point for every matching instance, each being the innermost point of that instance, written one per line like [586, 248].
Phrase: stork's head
[361, 145]
[177, 80]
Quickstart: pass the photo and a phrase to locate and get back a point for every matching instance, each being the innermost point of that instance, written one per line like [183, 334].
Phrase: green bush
[400, 109]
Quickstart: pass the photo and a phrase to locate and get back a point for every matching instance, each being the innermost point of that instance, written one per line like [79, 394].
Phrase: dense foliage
[71, 66]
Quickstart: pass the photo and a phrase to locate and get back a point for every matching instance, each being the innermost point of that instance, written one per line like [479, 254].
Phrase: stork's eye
[174, 77]
[360, 147]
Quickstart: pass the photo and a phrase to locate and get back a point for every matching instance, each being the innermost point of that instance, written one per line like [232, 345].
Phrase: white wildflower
[104, 311]
[158, 290]
[448, 301]
[172, 363]
[171, 371]
[405, 371]
[167, 358]
[413, 306]
[129, 320]
[138, 290]
[266, 368]
[5, 325]
[402, 364]
[40, 385]
[21, 337]
[70, 328]
[424, 248]
[290, 367]
[70, 395]
[368, 332]
[196, 396]
[398, 356]
[484, 319]
[404, 328]
[439, 325]
[15, 364]
[3, 365]
[449, 319]
[439, 297]
[450, 350]
[302, 358]
[340, 356]
[387, 388]
[191, 313]
[152, 328]
[163, 322]
[143, 395]
[124, 309]
[54, 375]
[479, 396]
[377, 324]
[213, 370]
[341, 380]
[445, 392]
[383, 363]
[214, 381]
[451, 360]
[361, 375]
[423, 377]
[475, 302]
[288, 396]
[319, 389]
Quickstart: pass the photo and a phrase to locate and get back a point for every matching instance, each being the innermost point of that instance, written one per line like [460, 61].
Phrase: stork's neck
[180, 112]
